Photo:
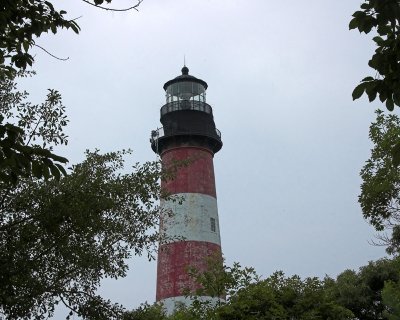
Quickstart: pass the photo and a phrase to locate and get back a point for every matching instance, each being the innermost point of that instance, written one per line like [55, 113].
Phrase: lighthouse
[190, 224]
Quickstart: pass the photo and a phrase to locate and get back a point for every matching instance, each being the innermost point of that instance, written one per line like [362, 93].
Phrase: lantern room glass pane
[186, 90]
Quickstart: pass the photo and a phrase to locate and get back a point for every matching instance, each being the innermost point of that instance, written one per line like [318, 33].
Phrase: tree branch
[62, 59]
[135, 7]
[68, 306]
[75, 19]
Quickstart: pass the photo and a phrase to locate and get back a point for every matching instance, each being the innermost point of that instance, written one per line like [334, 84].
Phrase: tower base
[174, 303]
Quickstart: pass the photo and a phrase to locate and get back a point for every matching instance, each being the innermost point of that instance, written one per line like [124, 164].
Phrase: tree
[249, 297]
[371, 293]
[380, 189]
[59, 236]
[280, 297]
[391, 295]
[391, 298]
[22, 22]
[217, 281]
[220, 280]
[382, 16]
[28, 125]
[146, 312]
[361, 292]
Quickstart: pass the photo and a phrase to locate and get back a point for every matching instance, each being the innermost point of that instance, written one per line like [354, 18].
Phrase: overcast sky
[280, 76]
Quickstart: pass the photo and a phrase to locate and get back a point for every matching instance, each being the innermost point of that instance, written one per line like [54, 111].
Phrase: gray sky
[280, 76]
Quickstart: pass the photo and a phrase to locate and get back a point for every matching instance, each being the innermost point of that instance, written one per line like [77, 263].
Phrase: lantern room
[185, 88]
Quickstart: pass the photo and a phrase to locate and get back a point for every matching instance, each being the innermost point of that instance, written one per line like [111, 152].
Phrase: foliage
[380, 189]
[20, 153]
[280, 297]
[383, 16]
[249, 297]
[60, 238]
[361, 292]
[371, 293]
[391, 294]
[391, 298]
[22, 22]
[220, 280]
[217, 281]
[145, 312]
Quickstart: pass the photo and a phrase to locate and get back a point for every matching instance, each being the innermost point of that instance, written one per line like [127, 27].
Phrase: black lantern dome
[186, 115]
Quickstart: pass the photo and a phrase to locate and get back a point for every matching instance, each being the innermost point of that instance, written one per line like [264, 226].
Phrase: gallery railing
[185, 105]
[159, 133]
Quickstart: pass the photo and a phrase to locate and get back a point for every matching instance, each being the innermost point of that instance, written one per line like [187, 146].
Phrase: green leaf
[382, 95]
[396, 154]
[374, 62]
[74, 27]
[53, 28]
[46, 173]
[353, 24]
[384, 30]
[367, 79]
[372, 95]
[36, 169]
[55, 172]
[359, 14]
[61, 168]
[50, 5]
[378, 40]
[396, 99]
[25, 44]
[389, 104]
[371, 88]
[58, 158]
[358, 91]
[367, 26]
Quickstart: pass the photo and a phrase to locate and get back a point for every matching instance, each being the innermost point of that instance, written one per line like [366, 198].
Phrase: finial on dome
[185, 70]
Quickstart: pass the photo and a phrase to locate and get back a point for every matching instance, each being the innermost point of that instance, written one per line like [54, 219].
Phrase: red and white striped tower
[188, 133]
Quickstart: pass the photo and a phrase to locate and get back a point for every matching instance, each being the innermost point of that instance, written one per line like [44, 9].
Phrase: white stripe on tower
[194, 219]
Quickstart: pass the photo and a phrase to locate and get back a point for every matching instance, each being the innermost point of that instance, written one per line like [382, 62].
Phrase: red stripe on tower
[196, 171]
[191, 226]
[173, 260]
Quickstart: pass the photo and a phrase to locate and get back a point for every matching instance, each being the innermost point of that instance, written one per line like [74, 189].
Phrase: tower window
[212, 222]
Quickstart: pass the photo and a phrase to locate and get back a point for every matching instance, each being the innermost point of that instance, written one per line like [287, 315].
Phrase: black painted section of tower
[188, 127]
